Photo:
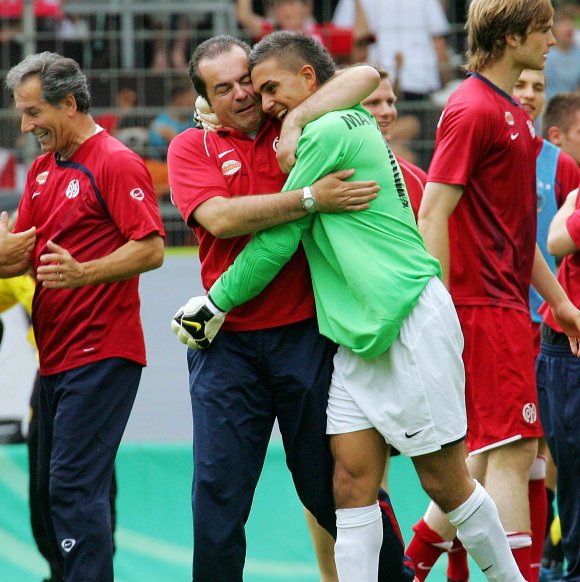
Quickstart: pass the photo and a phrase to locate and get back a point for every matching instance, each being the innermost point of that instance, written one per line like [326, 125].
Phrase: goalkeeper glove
[197, 322]
[204, 116]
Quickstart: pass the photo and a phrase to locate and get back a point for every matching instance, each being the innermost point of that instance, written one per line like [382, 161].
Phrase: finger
[56, 248]
[51, 258]
[361, 184]
[48, 269]
[574, 345]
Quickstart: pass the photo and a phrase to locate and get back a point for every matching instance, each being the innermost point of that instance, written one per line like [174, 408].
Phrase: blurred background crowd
[135, 54]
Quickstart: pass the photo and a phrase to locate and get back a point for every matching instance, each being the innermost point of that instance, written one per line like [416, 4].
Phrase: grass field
[154, 536]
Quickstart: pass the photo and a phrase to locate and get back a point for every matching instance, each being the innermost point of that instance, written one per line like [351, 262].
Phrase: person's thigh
[558, 381]
[300, 365]
[233, 416]
[92, 407]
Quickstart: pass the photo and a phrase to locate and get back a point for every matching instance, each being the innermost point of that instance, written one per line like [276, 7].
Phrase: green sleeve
[266, 253]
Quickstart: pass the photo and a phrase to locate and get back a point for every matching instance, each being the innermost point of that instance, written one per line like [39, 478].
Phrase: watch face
[308, 203]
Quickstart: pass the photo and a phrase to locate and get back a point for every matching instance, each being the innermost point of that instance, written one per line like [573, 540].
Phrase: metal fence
[117, 43]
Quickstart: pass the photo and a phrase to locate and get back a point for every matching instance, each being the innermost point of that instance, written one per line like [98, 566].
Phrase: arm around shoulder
[560, 241]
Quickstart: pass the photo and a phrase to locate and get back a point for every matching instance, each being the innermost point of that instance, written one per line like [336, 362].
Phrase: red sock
[522, 555]
[538, 516]
[422, 549]
[457, 566]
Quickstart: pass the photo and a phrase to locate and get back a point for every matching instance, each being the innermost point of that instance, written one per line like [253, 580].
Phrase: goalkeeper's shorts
[413, 394]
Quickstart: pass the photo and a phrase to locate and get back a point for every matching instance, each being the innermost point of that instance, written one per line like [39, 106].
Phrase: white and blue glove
[197, 322]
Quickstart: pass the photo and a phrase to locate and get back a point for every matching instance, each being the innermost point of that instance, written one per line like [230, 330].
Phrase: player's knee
[352, 487]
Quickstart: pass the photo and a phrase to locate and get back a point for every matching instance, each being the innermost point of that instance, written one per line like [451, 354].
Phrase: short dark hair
[210, 49]
[59, 76]
[293, 50]
[560, 112]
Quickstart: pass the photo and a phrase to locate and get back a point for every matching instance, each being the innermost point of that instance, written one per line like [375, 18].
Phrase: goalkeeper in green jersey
[398, 377]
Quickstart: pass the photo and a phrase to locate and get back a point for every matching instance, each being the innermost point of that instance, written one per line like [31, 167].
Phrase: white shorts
[413, 394]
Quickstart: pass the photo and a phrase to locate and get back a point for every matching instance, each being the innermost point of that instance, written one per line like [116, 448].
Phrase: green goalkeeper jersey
[369, 267]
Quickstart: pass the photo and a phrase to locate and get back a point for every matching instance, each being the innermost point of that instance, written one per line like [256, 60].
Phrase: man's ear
[512, 40]
[308, 73]
[69, 103]
[554, 135]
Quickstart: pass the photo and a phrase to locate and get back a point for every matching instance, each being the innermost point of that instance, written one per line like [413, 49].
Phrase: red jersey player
[478, 217]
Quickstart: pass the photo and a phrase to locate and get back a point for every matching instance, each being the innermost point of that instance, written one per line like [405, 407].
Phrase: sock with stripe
[538, 514]
[480, 531]
[457, 565]
[425, 548]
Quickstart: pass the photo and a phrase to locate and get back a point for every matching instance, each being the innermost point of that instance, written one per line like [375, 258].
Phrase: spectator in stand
[415, 29]
[175, 119]
[411, 44]
[297, 16]
[381, 105]
[48, 14]
[561, 123]
[563, 63]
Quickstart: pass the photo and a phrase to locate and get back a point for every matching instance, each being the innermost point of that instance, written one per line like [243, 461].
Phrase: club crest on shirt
[509, 118]
[73, 189]
[275, 144]
[230, 167]
[41, 178]
[531, 128]
[530, 412]
[137, 193]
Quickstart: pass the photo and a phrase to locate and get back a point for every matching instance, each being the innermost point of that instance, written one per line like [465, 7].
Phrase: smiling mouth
[282, 114]
[41, 135]
[250, 107]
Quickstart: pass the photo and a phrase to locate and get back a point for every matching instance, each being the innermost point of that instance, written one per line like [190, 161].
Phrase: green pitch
[154, 535]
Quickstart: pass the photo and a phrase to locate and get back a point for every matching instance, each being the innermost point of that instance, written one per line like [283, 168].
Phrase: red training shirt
[569, 271]
[90, 204]
[415, 180]
[203, 165]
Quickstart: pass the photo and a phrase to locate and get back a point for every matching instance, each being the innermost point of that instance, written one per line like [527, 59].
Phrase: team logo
[530, 412]
[275, 144]
[68, 544]
[509, 118]
[73, 189]
[41, 178]
[531, 128]
[137, 193]
[230, 167]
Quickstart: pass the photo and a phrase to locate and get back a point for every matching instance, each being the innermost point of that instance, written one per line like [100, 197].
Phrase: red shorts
[500, 386]
[536, 338]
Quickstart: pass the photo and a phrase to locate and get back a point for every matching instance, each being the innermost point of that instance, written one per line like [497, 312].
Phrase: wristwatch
[308, 201]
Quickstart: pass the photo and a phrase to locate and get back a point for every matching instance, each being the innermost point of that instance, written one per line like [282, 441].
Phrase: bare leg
[323, 544]
[445, 478]
[359, 467]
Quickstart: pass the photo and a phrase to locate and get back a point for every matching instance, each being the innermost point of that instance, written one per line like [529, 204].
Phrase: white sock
[480, 531]
[358, 542]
